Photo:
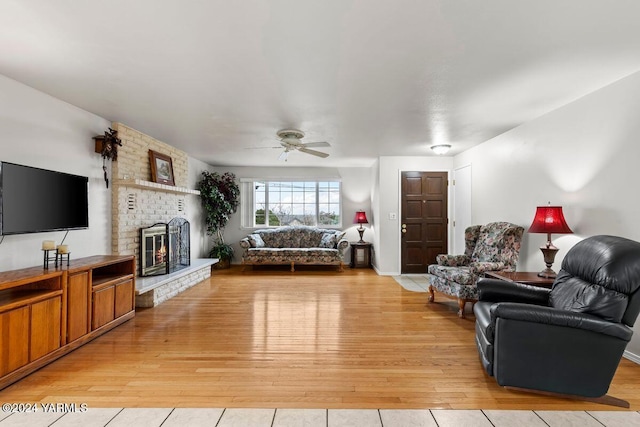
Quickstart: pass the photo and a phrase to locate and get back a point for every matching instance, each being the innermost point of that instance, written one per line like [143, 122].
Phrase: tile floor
[413, 282]
[239, 417]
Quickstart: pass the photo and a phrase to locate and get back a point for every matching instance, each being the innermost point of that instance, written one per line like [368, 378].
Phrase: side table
[525, 277]
[360, 254]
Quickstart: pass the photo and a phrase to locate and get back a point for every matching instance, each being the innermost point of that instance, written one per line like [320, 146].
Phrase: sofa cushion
[256, 240]
[309, 237]
[297, 255]
[281, 237]
[328, 240]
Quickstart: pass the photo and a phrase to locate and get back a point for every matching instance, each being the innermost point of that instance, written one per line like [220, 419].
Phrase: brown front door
[424, 219]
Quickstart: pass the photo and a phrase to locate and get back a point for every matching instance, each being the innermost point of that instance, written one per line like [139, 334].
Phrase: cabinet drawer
[14, 340]
[124, 298]
[77, 306]
[103, 307]
[45, 327]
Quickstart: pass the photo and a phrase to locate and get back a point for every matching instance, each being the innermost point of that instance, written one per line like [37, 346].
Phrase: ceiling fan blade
[261, 148]
[313, 152]
[316, 144]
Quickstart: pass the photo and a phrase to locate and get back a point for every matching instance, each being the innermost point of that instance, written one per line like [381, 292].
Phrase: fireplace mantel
[153, 186]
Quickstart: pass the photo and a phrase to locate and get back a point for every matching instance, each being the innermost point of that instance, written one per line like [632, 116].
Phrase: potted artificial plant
[220, 198]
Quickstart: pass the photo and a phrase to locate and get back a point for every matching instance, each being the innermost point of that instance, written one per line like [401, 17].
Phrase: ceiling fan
[290, 140]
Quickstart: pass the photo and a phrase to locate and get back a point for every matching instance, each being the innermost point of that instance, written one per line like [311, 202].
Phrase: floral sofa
[491, 247]
[292, 245]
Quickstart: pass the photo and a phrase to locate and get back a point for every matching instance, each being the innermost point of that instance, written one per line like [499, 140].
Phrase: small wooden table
[525, 277]
[360, 254]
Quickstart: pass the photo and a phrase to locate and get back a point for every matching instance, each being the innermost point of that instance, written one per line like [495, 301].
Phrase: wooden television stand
[47, 313]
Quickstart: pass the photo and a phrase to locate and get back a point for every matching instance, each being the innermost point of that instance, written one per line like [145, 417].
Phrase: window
[277, 203]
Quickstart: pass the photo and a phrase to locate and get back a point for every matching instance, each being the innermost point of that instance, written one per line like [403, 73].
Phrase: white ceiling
[218, 78]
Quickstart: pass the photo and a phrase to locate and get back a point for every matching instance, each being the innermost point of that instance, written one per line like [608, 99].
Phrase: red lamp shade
[361, 218]
[549, 220]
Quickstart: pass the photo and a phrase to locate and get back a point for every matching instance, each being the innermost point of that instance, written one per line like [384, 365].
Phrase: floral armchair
[491, 247]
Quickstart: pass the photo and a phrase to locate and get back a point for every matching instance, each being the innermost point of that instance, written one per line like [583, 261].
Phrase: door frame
[449, 208]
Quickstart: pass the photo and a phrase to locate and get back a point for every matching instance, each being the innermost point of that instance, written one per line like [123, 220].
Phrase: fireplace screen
[165, 248]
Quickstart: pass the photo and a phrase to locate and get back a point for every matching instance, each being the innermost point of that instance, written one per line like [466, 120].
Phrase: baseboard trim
[385, 273]
[631, 356]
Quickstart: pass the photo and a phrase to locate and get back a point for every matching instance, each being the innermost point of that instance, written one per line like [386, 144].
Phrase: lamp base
[361, 231]
[549, 253]
[547, 273]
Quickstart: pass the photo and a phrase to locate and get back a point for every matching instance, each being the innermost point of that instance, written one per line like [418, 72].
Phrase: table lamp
[361, 218]
[549, 219]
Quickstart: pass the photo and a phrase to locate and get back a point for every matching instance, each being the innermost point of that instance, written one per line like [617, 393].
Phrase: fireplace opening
[165, 247]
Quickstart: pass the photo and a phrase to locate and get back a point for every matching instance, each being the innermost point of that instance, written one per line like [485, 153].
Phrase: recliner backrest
[601, 276]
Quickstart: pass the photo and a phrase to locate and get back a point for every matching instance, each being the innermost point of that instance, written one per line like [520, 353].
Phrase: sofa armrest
[452, 260]
[554, 317]
[245, 243]
[341, 246]
[495, 290]
[480, 267]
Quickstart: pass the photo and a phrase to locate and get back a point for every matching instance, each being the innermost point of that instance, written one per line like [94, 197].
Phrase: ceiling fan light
[441, 148]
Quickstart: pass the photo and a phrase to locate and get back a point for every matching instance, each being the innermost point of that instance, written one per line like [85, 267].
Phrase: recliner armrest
[555, 317]
[495, 290]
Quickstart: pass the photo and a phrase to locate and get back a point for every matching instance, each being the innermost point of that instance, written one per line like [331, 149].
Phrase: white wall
[200, 244]
[356, 191]
[39, 130]
[387, 249]
[583, 156]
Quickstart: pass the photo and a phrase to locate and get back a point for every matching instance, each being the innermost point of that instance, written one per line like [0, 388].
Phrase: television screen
[34, 200]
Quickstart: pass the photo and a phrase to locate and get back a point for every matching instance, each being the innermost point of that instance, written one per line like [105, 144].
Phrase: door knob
[404, 228]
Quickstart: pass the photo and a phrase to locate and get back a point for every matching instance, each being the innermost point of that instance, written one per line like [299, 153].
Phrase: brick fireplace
[138, 203]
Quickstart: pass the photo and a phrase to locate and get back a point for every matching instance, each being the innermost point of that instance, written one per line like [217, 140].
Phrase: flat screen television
[33, 200]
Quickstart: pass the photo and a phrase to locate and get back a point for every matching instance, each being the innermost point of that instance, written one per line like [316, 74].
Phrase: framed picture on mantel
[161, 168]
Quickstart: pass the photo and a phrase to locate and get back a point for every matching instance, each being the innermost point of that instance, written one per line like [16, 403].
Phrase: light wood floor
[269, 338]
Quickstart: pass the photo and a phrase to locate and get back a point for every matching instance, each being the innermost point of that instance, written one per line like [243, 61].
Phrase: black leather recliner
[569, 339]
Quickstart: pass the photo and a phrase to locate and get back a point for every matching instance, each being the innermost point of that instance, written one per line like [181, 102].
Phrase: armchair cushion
[478, 268]
[453, 260]
[460, 275]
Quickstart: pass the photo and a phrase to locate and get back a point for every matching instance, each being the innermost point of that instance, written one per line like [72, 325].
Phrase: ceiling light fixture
[441, 148]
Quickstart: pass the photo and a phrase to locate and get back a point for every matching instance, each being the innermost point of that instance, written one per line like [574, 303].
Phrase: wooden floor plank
[269, 338]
